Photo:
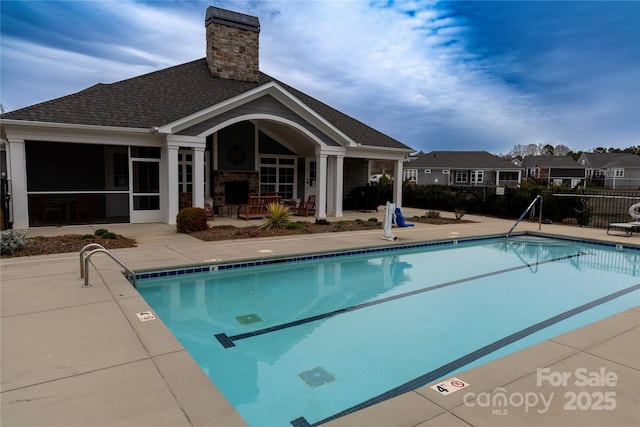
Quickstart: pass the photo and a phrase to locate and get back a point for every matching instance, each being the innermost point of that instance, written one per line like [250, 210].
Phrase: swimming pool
[302, 340]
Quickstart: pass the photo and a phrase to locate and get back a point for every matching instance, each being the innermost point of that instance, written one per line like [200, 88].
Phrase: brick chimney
[232, 44]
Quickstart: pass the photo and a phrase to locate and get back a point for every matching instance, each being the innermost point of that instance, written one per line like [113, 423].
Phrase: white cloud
[379, 63]
[165, 36]
[404, 68]
[40, 73]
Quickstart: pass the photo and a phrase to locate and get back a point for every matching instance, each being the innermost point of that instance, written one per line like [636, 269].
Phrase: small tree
[548, 150]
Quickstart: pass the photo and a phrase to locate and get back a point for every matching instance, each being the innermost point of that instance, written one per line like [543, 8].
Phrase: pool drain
[247, 319]
[317, 376]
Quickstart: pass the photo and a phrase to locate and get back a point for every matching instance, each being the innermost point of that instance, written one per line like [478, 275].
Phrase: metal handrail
[113, 257]
[538, 197]
[82, 251]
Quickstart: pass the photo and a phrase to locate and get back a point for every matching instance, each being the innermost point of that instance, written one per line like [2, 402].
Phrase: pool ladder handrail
[84, 263]
[538, 197]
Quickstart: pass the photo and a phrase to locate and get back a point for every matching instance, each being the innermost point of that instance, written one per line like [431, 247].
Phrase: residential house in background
[618, 171]
[212, 130]
[462, 168]
[554, 170]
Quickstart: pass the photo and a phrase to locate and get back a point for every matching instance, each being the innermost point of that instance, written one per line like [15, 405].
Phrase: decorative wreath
[634, 211]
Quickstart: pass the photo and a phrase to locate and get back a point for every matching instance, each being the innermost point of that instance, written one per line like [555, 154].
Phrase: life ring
[634, 211]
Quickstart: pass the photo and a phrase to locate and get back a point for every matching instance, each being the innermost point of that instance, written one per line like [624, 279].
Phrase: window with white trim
[411, 175]
[462, 176]
[615, 172]
[278, 175]
[477, 177]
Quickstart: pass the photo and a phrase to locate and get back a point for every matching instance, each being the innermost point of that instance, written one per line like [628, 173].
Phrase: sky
[435, 75]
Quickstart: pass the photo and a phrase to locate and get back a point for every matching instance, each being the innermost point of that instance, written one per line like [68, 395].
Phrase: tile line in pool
[228, 341]
[469, 357]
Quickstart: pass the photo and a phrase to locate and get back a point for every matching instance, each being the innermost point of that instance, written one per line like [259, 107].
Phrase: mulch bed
[74, 243]
[229, 232]
[67, 243]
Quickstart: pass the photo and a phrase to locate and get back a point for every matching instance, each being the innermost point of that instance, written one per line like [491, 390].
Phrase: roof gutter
[28, 123]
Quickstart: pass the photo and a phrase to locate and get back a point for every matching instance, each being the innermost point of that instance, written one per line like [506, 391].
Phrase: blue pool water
[370, 326]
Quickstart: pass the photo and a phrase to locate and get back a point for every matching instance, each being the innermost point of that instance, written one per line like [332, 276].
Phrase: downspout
[9, 179]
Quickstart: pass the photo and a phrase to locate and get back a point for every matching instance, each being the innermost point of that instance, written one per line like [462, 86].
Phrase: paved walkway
[81, 357]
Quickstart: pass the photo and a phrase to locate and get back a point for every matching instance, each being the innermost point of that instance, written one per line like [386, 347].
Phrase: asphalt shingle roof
[609, 160]
[458, 159]
[551, 162]
[164, 96]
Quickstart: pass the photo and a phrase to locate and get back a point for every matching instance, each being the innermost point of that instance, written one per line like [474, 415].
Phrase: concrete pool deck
[75, 356]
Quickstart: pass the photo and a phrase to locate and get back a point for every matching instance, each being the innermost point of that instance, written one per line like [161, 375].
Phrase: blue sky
[435, 75]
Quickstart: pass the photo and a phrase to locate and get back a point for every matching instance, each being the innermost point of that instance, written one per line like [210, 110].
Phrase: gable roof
[609, 160]
[165, 96]
[459, 159]
[564, 162]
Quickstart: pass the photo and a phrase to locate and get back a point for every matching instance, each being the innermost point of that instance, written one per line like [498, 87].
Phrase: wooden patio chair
[185, 200]
[306, 208]
[208, 211]
[256, 207]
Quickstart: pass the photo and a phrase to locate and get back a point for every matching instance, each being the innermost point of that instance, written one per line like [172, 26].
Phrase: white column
[331, 185]
[321, 205]
[18, 184]
[198, 177]
[397, 183]
[339, 174]
[171, 196]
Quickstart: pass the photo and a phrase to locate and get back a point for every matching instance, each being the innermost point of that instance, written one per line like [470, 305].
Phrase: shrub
[12, 240]
[372, 219]
[294, 226]
[277, 216]
[191, 219]
[433, 214]
[100, 231]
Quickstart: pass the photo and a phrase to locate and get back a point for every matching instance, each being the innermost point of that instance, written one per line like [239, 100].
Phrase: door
[145, 194]
[310, 181]
[185, 176]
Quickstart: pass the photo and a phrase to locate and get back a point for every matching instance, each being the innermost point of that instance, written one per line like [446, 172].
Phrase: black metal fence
[587, 208]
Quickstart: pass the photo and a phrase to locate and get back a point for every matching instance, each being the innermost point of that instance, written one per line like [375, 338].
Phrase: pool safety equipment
[388, 221]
